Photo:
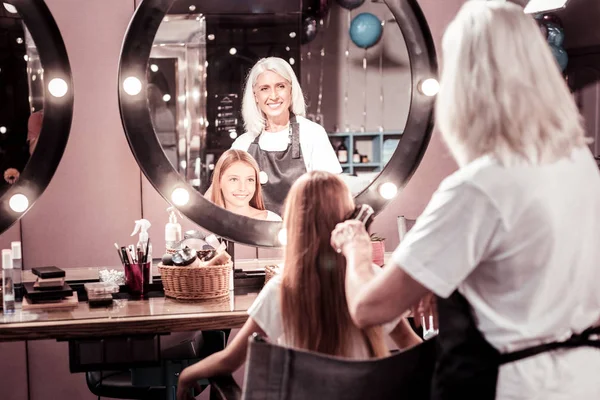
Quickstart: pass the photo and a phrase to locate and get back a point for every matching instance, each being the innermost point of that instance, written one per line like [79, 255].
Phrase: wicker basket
[196, 283]
[270, 272]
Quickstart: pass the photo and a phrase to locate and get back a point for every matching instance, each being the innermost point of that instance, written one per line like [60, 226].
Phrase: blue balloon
[555, 35]
[350, 4]
[560, 55]
[365, 30]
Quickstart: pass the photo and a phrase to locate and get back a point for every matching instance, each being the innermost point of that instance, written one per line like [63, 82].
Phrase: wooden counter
[154, 315]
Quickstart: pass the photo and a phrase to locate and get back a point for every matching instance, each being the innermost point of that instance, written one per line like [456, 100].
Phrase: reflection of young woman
[283, 142]
[305, 307]
[235, 186]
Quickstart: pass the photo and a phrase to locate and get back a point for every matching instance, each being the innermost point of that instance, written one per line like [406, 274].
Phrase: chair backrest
[277, 373]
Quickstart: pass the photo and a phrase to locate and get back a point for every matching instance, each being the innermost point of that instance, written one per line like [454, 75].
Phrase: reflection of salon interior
[197, 69]
[21, 96]
[199, 62]
[129, 334]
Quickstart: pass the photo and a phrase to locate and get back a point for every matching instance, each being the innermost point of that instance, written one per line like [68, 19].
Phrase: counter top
[153, 315]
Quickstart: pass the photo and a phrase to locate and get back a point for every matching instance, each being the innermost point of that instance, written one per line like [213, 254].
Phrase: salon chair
[274, 372]
[156, 382]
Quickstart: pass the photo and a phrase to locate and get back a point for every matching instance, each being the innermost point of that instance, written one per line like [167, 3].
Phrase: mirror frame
[58, 111]
[148, 152]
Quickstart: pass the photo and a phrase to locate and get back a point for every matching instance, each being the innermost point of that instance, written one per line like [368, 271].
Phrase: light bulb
[132, 85]
[282, 237]
[388, 190]
[180, 196]
[58, 87]
[18, 203]
[429, 87]
[166, 97]
[154, 68]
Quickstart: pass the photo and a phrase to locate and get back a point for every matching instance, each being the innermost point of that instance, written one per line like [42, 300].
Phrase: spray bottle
[142, 226]
[172, 231]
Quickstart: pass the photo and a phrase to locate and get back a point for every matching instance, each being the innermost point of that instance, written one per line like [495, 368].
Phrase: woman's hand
[351, 238]
[185, 385]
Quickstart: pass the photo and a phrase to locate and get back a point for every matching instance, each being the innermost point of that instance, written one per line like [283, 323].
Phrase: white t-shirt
[316, 148]
[522, 245]
[271, 216]
[266, 312]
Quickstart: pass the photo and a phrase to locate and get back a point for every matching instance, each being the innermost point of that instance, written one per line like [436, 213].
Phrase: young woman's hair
[313, 298]
[501, 89]
[254, 119]
[225, 161]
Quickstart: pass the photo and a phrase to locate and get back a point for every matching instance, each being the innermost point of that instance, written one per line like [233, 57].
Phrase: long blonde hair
[501, 90]
[228, 158]
[313, 298]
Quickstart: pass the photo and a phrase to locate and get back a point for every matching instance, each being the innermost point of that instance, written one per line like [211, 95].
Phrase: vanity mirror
[364, 74]
[36, 104]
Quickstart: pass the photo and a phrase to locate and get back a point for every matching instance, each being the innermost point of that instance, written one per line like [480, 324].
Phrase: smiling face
[238, 185]
[273, 94]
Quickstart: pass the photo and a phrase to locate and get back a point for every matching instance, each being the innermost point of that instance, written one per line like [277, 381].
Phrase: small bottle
[342, 153]
[429, 329]
[173, 234]
[17, 260]
[355, 156]
[8, 288]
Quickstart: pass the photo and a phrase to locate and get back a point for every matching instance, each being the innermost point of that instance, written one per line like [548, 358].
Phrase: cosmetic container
[429, 328]
[8, 285]
[100, 293]
[172, 232]
[17, 260]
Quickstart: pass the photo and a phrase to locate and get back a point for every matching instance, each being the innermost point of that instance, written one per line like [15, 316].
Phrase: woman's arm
[372, 300]
[223, 362]
[404, 336]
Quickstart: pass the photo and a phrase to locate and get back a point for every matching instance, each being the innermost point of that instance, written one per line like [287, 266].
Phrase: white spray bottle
[173, 234]
[142, 226]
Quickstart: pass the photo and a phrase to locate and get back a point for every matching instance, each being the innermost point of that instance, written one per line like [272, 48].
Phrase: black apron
[467, 365]
[282, 168]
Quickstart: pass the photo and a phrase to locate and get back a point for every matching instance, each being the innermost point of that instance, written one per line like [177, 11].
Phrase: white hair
[501, 91]
[254, 119]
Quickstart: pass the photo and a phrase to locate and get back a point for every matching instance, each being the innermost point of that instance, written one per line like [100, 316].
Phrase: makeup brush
[119, 253]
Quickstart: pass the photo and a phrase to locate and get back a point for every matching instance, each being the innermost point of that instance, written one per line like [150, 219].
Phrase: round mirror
[36, 103]
[358, 76]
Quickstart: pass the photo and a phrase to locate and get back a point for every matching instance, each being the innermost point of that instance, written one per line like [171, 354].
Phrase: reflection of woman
[235, 186]
[305, 307]
[34, 127]
[522, 274]
[283, 142]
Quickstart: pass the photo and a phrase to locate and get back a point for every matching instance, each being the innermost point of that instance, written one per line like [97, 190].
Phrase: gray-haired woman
[284, 143]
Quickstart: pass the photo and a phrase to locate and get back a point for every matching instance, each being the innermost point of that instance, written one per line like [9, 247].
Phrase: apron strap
[295, 132]
[589, 337]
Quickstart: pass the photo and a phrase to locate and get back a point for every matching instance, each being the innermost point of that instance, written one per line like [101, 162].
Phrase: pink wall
[12, 234]
[97, 191]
